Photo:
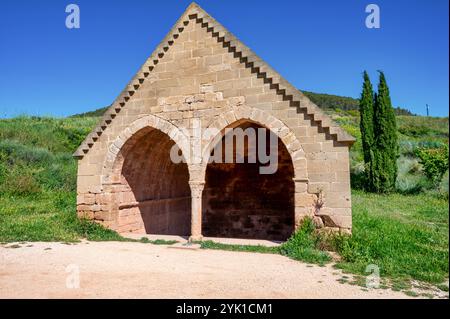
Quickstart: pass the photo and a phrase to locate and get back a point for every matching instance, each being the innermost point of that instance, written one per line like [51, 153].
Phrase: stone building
[202, 78]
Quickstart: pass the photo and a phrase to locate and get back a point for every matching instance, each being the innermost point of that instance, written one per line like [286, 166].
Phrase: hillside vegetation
[344, 103]
[38, 180]
[405, 233]
[414, 132]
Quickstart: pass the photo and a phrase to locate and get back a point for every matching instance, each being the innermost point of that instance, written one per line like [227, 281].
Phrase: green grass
[145, 240]
[442, 287]
[208, 244]
[423, 127]
[304, 245]
[405, 236]
[47, 216]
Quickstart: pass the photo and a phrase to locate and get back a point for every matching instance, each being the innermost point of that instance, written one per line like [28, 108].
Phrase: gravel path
[135, 270]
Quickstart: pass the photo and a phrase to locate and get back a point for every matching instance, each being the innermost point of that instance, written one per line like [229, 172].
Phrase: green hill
[336, 102]
[97, 112]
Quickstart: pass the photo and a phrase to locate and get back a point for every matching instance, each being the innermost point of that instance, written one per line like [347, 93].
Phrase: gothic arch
[230, 205]
[147, 191]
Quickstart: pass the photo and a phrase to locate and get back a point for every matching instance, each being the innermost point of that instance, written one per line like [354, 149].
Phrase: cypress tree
[366, 126]
[385, 152]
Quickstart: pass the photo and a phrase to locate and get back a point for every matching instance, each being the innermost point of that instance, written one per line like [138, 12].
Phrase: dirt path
[135, 270]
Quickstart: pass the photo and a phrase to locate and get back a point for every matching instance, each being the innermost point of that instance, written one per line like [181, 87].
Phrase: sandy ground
[135, 270]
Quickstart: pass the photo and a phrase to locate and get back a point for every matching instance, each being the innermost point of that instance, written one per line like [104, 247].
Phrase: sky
[318, 45]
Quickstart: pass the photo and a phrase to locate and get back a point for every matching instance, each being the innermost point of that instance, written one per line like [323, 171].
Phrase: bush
[410, 179]
[15, 152]
[409, 148]
[443, 186]
[58, 176]
[20, 182]
[434, 162]
[423, 126]
[415, 130]
[354, 113]
[358, 178]
[304, 244]
[411, 184]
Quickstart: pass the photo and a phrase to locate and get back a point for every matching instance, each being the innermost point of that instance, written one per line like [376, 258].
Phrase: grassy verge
[405, 236]
[145, 240]
[209, 244]
[48, 216]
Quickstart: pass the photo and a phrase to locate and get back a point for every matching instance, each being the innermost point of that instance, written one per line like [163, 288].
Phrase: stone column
[196, 210]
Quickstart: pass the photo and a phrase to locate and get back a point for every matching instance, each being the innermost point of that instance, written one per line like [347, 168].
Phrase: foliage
[209, 244]
[434, 162]
[366, 111]
[343, 103]
[96, 113]
[423, 127]
[410, 179]
[304, 244]
[405, 236]
[443, 187]
[385, 150]
[38, 181]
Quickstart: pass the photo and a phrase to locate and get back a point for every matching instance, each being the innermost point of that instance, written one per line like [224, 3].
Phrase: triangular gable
[257, 65]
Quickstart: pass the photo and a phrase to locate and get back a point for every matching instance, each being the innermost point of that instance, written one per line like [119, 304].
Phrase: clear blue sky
[321, 46]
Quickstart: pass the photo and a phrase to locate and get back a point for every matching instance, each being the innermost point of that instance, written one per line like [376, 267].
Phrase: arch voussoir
[286, 135]
[146, 122]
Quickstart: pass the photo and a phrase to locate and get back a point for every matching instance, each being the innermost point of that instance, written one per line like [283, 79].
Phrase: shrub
[15, 152]
[95, 232]
[354, 113]
[443, 186]
[407, 148]
[358, 178]
[415, 130]
[303, 244]
[20, 182]
[3, 168]
[410, 179]
[411, 184]
[434, 162]
[58, 176]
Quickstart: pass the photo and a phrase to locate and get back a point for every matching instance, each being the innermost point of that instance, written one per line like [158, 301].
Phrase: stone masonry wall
[197, 77]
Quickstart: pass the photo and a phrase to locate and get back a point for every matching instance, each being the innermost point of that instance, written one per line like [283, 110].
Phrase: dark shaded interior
[159, 191]
[240, 202]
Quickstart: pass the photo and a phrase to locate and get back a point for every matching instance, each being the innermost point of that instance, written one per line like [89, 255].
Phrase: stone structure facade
[201, 76]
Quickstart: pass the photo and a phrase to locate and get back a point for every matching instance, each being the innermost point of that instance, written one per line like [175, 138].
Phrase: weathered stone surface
[128, 181]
